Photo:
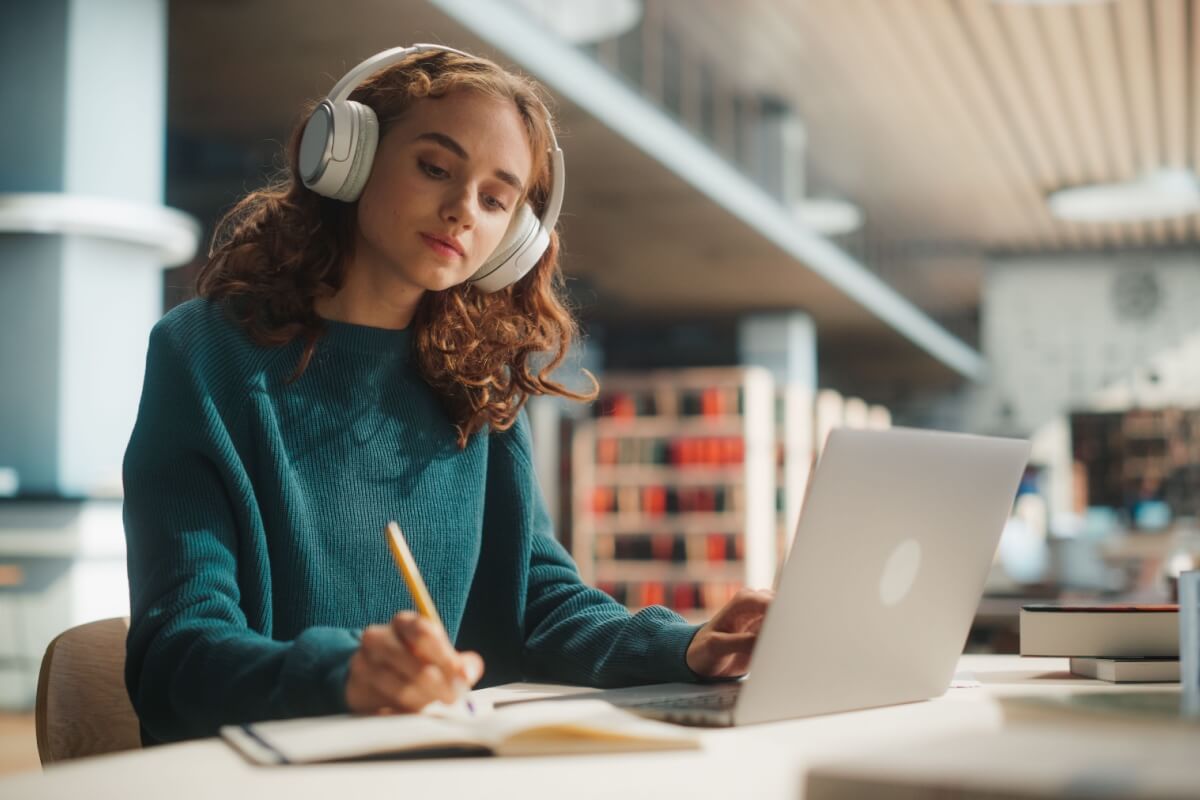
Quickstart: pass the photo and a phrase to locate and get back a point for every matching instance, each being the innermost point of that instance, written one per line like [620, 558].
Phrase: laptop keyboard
[720, 698]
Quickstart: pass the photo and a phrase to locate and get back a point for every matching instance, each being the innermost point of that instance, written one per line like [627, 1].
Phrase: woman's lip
[439, 246]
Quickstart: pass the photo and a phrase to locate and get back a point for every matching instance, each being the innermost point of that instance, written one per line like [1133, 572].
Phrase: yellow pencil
[419, 591]
[412, 575]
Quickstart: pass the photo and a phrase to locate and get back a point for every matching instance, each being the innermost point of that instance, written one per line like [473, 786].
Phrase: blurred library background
[781, 217]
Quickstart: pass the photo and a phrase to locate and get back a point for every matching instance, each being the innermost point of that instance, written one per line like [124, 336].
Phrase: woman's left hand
[721, 649]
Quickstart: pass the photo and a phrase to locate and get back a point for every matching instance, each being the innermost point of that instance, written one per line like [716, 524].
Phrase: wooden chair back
[82, 706]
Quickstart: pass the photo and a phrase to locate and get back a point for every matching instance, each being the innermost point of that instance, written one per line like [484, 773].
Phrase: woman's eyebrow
[457, 149]
[446, 142]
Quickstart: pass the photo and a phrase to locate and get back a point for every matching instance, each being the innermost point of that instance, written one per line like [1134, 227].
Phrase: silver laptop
[877, 596]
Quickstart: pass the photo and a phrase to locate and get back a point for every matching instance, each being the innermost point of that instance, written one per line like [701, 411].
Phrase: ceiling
[947, 121]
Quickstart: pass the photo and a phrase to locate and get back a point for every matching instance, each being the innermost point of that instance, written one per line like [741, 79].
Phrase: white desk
[762, 761]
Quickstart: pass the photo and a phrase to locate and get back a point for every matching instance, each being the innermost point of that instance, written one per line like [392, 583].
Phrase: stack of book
[1117, 643]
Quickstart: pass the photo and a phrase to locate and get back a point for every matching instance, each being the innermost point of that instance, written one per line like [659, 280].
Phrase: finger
[428, 642]
[382, 649]
[473, 663]
[753, 598]
[375, 690]
[416, 697]
[388, 689]
[433, 684]
[731, 667]
[412, 694]
[754, 601]
[724, 644]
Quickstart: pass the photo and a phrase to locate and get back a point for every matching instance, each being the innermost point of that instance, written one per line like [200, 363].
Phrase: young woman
[356, 356]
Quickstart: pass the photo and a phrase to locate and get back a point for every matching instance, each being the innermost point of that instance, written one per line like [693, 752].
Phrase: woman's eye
[432, 170]
[493, 203]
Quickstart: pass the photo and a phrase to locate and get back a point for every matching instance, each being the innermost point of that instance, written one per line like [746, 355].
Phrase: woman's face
[447, 178]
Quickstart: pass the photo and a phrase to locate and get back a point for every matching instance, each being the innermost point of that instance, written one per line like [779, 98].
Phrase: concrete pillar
[85, 85]
[786, 344]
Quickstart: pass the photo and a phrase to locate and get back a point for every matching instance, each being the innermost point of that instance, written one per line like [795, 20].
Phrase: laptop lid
[885, 573]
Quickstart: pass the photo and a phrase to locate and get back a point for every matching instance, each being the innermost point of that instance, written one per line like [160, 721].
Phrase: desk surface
[761, 761]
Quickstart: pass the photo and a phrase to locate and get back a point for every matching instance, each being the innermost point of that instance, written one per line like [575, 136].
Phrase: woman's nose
[459, 209]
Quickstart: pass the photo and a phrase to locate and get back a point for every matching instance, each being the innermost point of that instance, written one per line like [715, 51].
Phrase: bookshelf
[1139, 454]
[673, 494]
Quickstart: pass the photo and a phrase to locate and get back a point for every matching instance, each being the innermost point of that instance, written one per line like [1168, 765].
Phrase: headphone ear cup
[362, 153]
[522, 227]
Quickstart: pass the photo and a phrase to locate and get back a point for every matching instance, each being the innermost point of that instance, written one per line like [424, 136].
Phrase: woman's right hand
[406, 664]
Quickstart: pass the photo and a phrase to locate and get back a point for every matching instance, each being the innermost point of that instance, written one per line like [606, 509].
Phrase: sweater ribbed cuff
[316, 680]
[667, 656]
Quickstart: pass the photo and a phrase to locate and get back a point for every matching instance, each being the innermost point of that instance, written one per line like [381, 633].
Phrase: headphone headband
[342, 90]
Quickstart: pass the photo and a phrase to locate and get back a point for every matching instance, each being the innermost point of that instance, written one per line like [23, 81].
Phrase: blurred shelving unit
[1138, 455]
[673, 493]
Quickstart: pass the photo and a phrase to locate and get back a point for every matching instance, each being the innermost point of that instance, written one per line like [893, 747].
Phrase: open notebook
[533, 728]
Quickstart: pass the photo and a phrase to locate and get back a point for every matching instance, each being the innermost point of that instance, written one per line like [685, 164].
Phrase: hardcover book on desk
[1101, 631]
[1127, 670]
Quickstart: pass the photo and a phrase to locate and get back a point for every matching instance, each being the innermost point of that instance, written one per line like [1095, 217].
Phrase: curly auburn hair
[282, 247]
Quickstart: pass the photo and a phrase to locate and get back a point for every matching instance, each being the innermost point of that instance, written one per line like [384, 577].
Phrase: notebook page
[341, 737]
[576, 726]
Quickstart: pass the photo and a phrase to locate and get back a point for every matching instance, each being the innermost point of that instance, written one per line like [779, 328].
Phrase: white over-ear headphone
[338, 146]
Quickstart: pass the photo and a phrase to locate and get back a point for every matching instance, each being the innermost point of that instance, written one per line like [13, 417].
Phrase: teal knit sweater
[254, 517]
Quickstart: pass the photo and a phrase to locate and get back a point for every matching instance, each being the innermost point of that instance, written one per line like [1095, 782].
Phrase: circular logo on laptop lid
[900, 572]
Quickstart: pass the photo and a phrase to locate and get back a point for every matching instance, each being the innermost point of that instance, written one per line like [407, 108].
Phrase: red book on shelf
[676, 452]
[654, 500]
[606, 451]
[603, 499]
[682, 597]
[622, 405]
[733, 450]
[716, 547]
[653, 594]
[717, 403]
[662, 545]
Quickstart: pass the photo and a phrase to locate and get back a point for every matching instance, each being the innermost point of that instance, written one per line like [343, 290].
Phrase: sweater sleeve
[194, 661]
[573, 632]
